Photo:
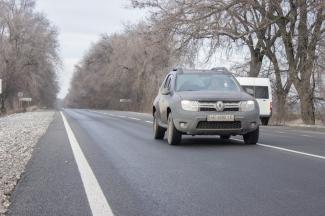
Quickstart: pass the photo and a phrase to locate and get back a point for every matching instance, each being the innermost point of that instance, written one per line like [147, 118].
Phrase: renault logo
[219, 106]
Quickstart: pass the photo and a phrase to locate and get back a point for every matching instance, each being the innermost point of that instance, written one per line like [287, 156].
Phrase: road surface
[107, 163]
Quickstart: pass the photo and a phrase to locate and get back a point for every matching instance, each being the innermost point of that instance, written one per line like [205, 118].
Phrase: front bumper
[187, 123]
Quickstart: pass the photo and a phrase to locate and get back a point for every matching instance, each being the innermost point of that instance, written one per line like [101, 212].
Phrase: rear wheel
[225, 137]
[251, 138]
[174, 136]
[158, 131]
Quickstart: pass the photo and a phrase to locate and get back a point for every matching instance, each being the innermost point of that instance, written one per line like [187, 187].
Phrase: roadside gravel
[18, 135]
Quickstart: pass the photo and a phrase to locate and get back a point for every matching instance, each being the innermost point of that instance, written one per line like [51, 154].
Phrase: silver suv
[204, 102]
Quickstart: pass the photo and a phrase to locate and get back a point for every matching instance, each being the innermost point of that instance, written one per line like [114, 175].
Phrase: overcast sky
[80, 23]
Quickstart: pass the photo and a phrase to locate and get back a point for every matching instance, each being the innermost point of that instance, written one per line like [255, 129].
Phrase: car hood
[214, 96]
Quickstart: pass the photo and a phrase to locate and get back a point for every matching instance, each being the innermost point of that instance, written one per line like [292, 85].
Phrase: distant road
[107, 163]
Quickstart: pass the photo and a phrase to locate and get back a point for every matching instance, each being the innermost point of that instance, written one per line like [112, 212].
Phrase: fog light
[253, 124]
[183, 124]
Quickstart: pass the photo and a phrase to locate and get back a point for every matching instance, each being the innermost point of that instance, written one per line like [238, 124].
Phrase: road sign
[125, 100]
[20, 94]
[25, 99]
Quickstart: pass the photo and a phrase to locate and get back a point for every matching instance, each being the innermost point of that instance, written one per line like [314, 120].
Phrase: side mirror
[165, 91]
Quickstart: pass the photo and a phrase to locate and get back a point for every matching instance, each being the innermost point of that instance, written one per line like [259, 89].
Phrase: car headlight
[190, 105]
[246, 106]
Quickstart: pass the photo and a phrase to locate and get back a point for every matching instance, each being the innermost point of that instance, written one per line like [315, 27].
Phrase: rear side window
[259, 92]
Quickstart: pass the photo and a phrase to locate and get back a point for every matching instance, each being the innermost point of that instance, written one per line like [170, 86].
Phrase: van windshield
[259, 92]
[206, 82]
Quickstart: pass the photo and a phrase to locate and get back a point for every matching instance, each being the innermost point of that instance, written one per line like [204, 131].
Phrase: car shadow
[209, 141]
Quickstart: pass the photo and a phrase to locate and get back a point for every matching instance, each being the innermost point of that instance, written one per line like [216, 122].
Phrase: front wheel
[158, 131]
[251, 138]
[174, 136]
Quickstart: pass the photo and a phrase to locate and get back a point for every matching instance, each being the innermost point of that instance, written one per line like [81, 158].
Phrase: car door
[263, 98]
[164, 98]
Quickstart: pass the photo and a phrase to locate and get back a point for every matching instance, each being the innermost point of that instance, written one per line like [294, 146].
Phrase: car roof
[217, 70]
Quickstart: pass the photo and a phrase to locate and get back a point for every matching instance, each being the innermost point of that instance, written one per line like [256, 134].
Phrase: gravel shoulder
[19, 133]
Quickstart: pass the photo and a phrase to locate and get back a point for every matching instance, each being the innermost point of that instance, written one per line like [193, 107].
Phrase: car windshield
[206, 82]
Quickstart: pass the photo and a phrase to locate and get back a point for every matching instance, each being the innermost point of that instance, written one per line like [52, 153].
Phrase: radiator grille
[203, 109]
[219, 125]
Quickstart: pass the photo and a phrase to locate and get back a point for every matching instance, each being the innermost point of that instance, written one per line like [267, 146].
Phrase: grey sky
[80, 23]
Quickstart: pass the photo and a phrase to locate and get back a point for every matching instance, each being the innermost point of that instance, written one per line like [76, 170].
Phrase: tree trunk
[255, 65]
[281, 107]
[307, 107]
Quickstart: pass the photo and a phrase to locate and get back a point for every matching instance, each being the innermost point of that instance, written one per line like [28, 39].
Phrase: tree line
[128, 65]
[281, 39]
[29, 55]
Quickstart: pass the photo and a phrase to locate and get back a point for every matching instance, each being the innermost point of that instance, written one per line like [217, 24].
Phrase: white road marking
[305, 135]
[288, 133]
[122, 116]
[288, 150]
[96, 198]
[134, 118]
[150, 122]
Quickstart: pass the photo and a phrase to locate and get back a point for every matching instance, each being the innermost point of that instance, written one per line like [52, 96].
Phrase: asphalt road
[125, 171]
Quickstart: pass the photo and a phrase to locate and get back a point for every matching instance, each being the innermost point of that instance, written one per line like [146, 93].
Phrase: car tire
[174, 137]
[158, 131]
[225, 137]
[251, 138]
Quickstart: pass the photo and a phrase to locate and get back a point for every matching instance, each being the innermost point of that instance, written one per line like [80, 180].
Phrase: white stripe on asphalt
[96, 199]
[134, 118]
[305, 135]
[150, 122]
[288, 150]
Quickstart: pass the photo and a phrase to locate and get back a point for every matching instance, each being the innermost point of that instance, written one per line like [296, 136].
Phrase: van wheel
[225, 137]
[174, 136]
[251, 138]
[158, 131]
[265, 121]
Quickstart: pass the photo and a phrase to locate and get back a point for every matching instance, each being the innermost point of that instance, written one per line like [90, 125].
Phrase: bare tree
[128, 65]
[29, 54]
[227, 24]
[301, 24]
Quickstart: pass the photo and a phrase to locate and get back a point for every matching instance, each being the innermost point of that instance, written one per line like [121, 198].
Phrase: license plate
[221, 118]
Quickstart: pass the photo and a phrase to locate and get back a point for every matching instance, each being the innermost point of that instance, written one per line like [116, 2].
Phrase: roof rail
[220, 69]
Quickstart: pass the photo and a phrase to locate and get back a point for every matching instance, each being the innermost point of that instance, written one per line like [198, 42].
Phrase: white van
[260, 88]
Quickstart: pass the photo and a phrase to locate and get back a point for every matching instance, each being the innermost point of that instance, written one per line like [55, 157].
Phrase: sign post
[23, 101]
[126, 103]
[1, 98]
